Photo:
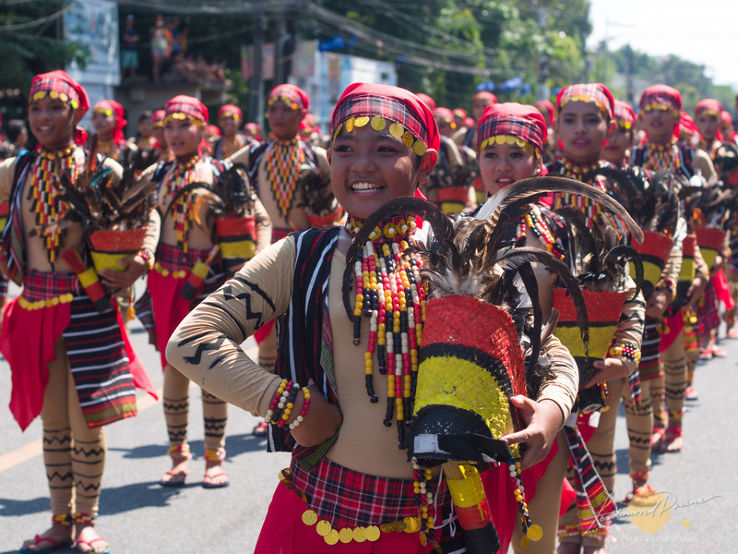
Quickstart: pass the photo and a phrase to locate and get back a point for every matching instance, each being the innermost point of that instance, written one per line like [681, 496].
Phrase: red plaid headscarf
[397, 105]
[727, 121]
[232, 110]
[427, 100]
[254, 130]
[687, 125]
[709, 106]
[445, 115]
[110, 107]
[547, 107]
[460, 113]
[661, 96]
[157, 118]
[487, 95]
[624, 114]
[293, 96]
[596, 93]
[512, 119]
[188, 106]
[57, 84]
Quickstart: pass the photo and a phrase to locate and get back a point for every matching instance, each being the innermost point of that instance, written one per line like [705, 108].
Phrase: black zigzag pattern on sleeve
[196, 358]
[256, 289]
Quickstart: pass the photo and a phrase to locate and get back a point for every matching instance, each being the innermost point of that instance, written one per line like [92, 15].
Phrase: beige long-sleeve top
[364, 443]
[35, 250]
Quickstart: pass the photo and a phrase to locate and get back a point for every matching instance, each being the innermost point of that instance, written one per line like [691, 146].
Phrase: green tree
[30, 43]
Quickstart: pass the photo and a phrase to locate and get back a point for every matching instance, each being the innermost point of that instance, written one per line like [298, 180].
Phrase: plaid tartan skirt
[708, 312]
[347, 502]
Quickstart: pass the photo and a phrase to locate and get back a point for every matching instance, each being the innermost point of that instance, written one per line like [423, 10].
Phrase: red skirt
[293, 522]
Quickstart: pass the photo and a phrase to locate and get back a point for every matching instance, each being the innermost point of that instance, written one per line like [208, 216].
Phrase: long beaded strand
[46, 202]
[181, 176]
[389, 291]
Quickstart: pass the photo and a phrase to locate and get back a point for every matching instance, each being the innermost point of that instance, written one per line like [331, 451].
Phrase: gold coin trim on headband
[657, 106]
[378, 123]
[508, 139]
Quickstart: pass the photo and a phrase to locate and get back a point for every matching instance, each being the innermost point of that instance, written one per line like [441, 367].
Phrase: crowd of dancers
[599, 239]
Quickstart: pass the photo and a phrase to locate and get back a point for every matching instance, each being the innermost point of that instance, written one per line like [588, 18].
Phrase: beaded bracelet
[305, 406]
[669, 286]
[270, 414]
[148, 257]
[627, 351]
[282, 421]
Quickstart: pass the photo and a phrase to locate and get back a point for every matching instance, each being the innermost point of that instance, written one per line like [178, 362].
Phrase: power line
[35, 22]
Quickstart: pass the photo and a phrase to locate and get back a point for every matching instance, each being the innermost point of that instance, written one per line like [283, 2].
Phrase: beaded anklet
[215, 455]
[61, 519]
[84, 519]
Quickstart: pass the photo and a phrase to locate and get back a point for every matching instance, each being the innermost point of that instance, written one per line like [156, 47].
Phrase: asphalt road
[695, 513]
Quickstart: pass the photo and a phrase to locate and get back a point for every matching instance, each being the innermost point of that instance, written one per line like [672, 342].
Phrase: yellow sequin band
[359, 534]
[509, 139]
[102, 111]
[626, 125]
[294, 106]
[179, 274]
[707, 112]
[379, 123]
[586, 98]
[180, 116]
[658, 107]
[45, 303]
[53, 94]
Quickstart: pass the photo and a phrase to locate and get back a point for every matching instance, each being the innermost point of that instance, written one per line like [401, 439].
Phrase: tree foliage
[30, 43]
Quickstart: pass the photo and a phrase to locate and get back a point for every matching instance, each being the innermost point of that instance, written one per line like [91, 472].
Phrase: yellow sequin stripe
[509, 139]
[658, 106]
[622, 124]
[707, 112]
[179, 274]
[53, 94]
[379, 123]
[584, 98]
[103, 111]
[46, 303]
[291, 103]
[180, 116]
[359, 534]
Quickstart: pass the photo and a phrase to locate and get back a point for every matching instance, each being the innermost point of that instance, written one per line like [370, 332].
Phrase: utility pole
[279, 44]
[256, 87]
[629, 87]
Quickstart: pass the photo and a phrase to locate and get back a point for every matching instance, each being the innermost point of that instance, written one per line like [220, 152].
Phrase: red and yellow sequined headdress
[399, 111]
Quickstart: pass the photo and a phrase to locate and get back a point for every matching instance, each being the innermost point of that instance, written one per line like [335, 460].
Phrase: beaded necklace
[46, 202]
[232, 145]
[534, 222]
[180, 177]
[662, 156]
[710, 148]
[110, 149]
[390, 292]
[585, 205]
[576, 171]
[283, 162]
